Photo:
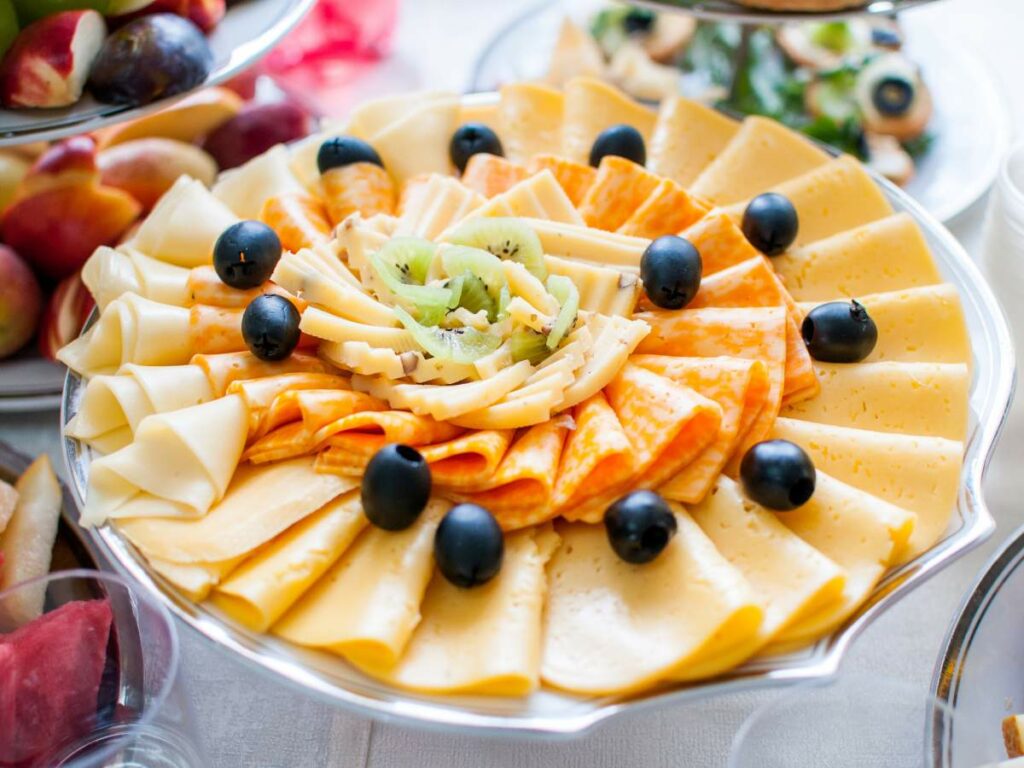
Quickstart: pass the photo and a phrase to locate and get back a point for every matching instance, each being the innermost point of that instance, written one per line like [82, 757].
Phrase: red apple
[65, 314]
[254, 130]
[20, 302]
[49, 62]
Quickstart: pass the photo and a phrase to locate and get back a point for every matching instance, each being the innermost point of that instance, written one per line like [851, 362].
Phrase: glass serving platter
[248, 31]
[550, 713]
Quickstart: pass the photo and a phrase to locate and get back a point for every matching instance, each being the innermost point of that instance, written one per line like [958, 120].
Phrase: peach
[254, 130]
[12, 170]
[187, 120]
[20, 302]
[48, 64]
[146, 168]
[65, 314]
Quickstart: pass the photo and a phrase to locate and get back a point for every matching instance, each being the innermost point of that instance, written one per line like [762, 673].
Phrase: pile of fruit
[126, 52]
[58, 203]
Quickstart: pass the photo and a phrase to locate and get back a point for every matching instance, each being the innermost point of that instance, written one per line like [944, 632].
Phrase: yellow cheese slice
[368, 604]
[790, 578]
[375, 115]
[886, 255]
[589, 244]
[923, 324]
[486, 113]
[184, 225]
[418, 141]
[539, 196]
[260, 503]
[110, 273]
[273, 579]
[185, 458]
[590, 107]
[920, 474]
[359, 357]
[829, 199]
[443, 203]
[603, 290]
[484, 640]
[615, 339]
[860, 533]
[245, 189]
[530, 117]
[196, 580]
[611, 627]
[686, 138]
[324, 325]
[760, 155]
[910, 398]
[575, 53]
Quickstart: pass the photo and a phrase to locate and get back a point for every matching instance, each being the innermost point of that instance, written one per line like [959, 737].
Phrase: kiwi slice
[506, 238]
[412, 256]
[527, 344]
[475, 297]
[503, 299]
[568, 296]
[460, 345]
[428, 302]
[460, 259]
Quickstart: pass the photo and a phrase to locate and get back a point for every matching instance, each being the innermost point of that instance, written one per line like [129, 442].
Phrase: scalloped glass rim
[251, 38]
[553, 714]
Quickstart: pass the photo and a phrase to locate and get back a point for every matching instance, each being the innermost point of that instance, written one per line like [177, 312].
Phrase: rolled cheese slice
[244, 190]
[530, 119]
[259, 591]
[614, 628]
[591, 106]
[110, 273]
[687, 137]
[178, 464]
[368, 604]
[762, 154]
[484, 640]
[918, 473]
[909, 398]
[885, 255]
[184, 225]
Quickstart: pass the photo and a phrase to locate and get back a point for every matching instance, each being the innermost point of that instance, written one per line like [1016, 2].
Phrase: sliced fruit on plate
[20, 302]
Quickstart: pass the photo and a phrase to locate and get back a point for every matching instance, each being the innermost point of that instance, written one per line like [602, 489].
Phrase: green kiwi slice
[506, 238]
[461, 345]
[568, 297]
[527, 344]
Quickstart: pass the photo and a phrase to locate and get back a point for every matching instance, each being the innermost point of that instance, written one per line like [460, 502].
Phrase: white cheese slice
[444, 202]
[917, 473]
[611, 627]
[483, 640]
[485, 113]
[417, 142]
[245, 189]
[539, 196]
[603, 290]
[909, 398]
[530, 118]
[687, 137]
[340, 298]
[589, 244]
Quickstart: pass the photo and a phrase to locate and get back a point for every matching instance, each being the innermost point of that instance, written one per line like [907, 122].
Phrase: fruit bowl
[248, 31]
[550, 713]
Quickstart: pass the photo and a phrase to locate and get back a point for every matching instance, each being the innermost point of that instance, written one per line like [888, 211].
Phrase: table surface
[247, 720]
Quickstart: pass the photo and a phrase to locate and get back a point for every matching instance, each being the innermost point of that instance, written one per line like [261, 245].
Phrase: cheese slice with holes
[917, 473]
[592, 106]
[760, 155]
[368, 604]
[530, 116]
[686, 138]
[502, 616]
[924, 324]
[886, 255]
[612, 628]
[909, 398]
[259, 591]
[859, 532]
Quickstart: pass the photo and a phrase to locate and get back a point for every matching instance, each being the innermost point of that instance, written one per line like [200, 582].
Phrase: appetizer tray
[549, 713]
[729, 11]
[980, 672]
[248, 31]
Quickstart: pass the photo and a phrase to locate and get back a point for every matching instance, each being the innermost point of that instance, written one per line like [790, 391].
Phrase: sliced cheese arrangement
[560, 391]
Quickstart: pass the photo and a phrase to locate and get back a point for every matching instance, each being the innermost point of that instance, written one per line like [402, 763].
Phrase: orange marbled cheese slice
[720, 241]
[467, 462]
[260, 394]
[754, 333]
[366, 432]
[204, 287]
[364, 188]
[299, 219]
[520, 492]
[574, 178]
[491, 175]
[213, 330]
[221, 370]
[619, 188]
[740, 387]
[667, 210]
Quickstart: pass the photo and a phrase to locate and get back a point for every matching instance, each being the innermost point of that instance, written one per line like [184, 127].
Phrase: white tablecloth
[247, 720]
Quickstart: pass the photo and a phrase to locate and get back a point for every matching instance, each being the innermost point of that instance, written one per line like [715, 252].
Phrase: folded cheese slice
[917, 473]
[184, 225]
[262, 588]
[368, 604]
[484, 640]
[575, 178]
[760, 155]
[619, 189]
[859, 532]
[196, 580]
[614, 628]
[668, 208]
[924, 324]
[530, 119]
[885, 255]
[260, 503]
[910, 398]
[223, 369]
[687, 137]
[439, 203]
[603, 290]
[720, 241]
[417, 141]
[282, 398]
[491, 175]
[247, 188]
[539, 196]
[591, 106]
[178, 464]
[589, 244]
[468, 462]
[110, 273]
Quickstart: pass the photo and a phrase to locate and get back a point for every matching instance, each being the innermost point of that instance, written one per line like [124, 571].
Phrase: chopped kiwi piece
[527, 344]
[568, 296]
[412, 256]
[460, 345]
[460, 259]
[428, 302]
[503, 299]
[506, 238]
[475, 297]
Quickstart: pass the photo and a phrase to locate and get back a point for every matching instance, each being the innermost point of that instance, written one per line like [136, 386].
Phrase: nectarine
[20, 302]
[146, 168]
